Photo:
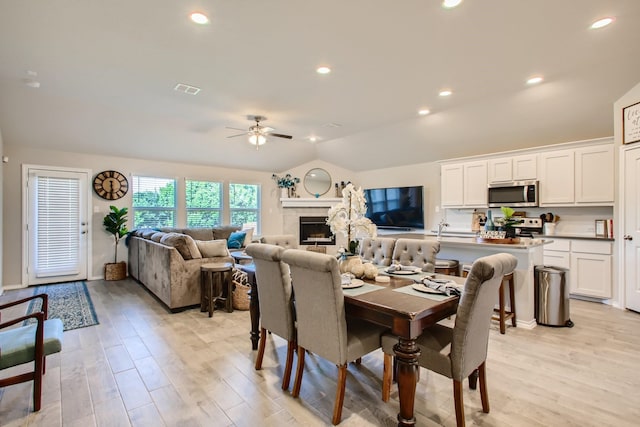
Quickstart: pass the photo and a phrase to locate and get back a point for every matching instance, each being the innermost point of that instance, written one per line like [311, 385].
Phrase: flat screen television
[395, 207]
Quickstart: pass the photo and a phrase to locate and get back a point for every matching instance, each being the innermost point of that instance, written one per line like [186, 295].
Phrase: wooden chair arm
[38, 315]
[44, 309]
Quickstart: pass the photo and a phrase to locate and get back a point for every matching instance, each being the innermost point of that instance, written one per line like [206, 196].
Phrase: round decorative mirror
[317, 182]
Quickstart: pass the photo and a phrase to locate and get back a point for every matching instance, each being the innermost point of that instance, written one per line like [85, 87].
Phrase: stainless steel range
[529, 226]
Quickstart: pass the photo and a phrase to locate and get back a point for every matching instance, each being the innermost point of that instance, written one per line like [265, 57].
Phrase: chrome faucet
[441, 226]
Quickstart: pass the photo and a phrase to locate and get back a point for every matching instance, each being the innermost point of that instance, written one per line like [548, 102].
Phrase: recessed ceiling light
[534, 80]
[445, 92]
[602, 23]
[323, 70]
[313, 138]
[450, 3]
[424, 112]
[199, 18]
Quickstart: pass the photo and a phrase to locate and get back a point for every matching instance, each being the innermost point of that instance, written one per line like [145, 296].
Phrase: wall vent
[188, 89]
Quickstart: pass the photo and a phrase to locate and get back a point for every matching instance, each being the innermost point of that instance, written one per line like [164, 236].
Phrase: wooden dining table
[404, 314]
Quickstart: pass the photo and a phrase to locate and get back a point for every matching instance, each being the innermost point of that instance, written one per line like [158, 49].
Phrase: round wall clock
[110, 185]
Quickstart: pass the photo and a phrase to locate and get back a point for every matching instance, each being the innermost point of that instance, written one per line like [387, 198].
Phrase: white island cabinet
[529, 254]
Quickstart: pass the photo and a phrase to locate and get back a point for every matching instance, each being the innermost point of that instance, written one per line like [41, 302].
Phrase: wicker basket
[241, 289]
[115, 271]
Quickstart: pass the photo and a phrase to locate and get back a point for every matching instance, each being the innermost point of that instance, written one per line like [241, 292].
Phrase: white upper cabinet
[557, 178]
[577, 177]
[463, 184]
[594, 175]
[516, 168]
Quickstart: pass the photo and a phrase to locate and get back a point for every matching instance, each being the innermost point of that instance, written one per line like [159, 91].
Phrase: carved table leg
[407, 353]
[254, 311]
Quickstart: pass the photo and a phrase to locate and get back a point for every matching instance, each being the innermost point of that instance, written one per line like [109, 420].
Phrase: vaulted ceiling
[107, 71]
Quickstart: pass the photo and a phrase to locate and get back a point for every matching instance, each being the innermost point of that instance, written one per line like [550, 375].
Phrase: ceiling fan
[257, 133]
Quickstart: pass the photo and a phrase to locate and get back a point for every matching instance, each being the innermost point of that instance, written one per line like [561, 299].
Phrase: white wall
[103, 242]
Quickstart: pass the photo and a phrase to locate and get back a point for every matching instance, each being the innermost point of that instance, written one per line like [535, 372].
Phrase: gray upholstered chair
[416, 252]
[379, 250]
[457, 352]
[277, 312]
[323, 328]
[287, 241]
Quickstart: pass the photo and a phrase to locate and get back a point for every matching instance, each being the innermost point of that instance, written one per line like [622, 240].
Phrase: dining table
[396, 304]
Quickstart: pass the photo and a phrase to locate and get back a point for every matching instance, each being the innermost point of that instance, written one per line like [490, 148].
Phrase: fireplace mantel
[309, 202]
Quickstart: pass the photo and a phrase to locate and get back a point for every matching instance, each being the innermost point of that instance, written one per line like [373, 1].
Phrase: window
[244, 205]
[154, 202]
[204, 203]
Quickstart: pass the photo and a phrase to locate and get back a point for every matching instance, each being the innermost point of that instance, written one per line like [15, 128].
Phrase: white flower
[348, 216]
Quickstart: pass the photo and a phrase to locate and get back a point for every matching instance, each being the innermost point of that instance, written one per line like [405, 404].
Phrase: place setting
[353, 286]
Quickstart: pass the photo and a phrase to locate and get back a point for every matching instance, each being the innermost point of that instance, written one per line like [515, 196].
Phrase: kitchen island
[529, 253]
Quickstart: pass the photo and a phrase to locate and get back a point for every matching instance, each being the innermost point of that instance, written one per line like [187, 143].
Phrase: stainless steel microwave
[513, 194]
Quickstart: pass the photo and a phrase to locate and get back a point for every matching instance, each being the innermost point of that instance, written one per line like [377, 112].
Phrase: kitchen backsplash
[578, 221]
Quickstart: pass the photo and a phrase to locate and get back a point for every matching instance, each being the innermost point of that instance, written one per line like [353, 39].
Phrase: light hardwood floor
[143, 366]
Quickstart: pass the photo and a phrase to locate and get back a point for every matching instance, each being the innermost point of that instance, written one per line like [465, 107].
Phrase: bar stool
[215, 279]
[447, 266]
[502, 315]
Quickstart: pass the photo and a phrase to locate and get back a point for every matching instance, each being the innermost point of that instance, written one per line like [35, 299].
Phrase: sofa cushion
[249, 237]
[184, 244]
[223, 232]
[157, 236]
[212, 248]
[236, 240]
[147, 233]
[199, 233]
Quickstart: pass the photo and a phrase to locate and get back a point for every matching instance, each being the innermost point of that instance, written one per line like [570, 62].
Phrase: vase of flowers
[348, 217]
[287, 185]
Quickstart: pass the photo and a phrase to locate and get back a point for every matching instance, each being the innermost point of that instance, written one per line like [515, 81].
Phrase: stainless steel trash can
[551, 296]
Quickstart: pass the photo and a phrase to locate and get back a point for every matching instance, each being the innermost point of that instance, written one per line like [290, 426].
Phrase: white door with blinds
[57, 225]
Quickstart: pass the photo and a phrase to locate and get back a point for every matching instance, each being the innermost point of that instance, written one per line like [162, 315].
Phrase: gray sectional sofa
[167, 262]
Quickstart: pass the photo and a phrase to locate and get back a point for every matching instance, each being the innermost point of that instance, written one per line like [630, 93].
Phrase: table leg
[407, 353]
[229, 285]
[254, 311]
[203, 291]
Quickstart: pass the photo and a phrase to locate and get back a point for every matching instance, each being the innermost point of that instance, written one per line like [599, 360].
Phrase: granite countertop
[525, 243]
[463, 233]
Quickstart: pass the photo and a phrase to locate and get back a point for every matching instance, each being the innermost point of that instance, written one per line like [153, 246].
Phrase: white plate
[403, 272]
[355, 283]
[422, 288]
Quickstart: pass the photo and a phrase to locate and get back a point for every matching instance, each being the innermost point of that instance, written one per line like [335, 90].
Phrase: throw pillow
[249, 237]
[212, 248]
[185, 245]
[236, 240]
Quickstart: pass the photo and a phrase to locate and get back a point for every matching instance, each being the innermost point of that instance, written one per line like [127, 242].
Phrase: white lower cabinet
[589, 263]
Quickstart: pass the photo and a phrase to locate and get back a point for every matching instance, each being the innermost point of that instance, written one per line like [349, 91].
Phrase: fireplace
[315, 231]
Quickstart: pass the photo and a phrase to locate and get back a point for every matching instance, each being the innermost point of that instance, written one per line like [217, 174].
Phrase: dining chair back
[287, 241]
[460, 351]
[277, 312]
[379, 250]
[416, 252]
[322, 326]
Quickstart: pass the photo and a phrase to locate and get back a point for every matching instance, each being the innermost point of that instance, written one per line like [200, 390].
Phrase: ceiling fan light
[257, 139]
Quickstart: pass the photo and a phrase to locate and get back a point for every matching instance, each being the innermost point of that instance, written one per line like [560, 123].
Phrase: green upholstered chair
[323, 328]
[29, 343]
[277, 312]
[457, 352]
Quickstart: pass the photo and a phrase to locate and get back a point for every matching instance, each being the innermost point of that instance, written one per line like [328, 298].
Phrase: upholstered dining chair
[416, 252]
[379, 250]
[287, 241]
[277, 312]
[30, 343]
[323, 328]
[457, 352]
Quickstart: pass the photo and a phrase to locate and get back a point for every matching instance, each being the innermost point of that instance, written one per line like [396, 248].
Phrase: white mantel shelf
[309, 202]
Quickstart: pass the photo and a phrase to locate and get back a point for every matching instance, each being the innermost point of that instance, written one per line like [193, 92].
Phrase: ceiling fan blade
[229, 127]
[240, 134]
[279, 135]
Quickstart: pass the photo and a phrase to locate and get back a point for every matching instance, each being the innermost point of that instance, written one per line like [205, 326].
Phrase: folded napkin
[398, 267]
[346, 278]
[445, 287]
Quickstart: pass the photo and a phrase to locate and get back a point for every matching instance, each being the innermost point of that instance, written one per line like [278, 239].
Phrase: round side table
[216, 285]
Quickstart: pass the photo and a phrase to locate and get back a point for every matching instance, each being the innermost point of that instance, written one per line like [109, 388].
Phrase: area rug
[69, 302]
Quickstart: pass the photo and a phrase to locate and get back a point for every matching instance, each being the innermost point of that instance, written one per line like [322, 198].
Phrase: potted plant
[508, 222]
[115, 222]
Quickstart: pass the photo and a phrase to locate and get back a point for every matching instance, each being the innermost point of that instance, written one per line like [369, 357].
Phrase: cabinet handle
[627, 237]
